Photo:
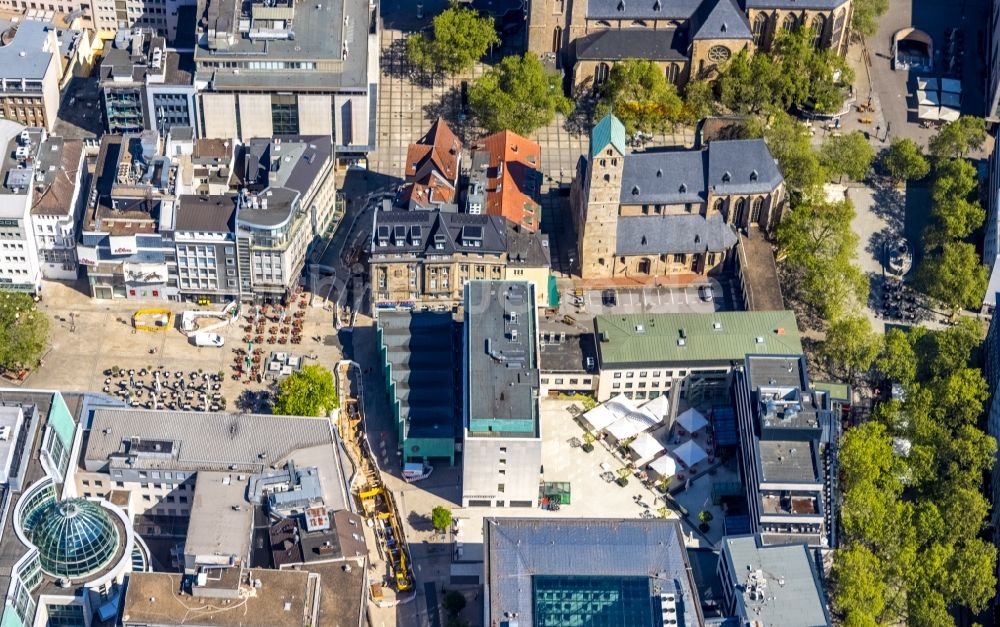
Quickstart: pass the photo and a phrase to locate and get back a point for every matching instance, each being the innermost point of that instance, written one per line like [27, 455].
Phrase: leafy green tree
[956, 219]
[746, 83]
[973, 573]
[867, 14]
[903, 161]
[518, 94]
[24, 331]
[958, 138]
[866, 456]
[819, 245]
[441, 518]
[953, 178]
[942, 352]
[461, 37]
[859, 586]
[699, 101]
[849, 155]
[851, 344]
[638, 94]
[309, 391]
[955, 276]
[790, 143]
[897, 360]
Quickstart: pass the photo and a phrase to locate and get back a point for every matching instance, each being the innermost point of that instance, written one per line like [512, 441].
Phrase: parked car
[609, 298]
[705, 293]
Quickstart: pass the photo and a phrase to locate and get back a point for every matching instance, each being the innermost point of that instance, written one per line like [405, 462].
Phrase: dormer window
[659, 174]
[725, 27]
[656, 5]
[753, 175]
[439, 241]
[726, 177]
[621, 5]
[635, 190]
[683, 188]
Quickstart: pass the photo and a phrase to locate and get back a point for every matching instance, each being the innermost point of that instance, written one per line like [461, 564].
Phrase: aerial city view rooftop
[499, 313]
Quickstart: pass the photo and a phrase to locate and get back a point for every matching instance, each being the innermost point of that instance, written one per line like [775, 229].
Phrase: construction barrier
[155, 320]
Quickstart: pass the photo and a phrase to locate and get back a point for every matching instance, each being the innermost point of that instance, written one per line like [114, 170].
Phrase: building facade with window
[20, 259]
[690, 356]
[643, 215]
[502, 445]
[57, 205]
[688, 40]
[145, 86]
[31, 72]
[126, 241]
[289, 68]
[205, 238]
[426, 257]
[788, 443]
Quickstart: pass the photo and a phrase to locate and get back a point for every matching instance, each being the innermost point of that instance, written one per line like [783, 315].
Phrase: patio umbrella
[948, 115]
[928, 98]
[928, 113]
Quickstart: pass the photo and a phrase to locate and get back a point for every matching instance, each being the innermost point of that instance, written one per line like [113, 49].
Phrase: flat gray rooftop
[11, 419]
[568, 354]
[221, 518]
[792, 595]
[321, 30]
[21, 56]
[502, 364]
[792, 461]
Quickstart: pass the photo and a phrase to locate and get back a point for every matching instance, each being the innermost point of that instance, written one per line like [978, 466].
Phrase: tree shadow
[395, 64]
[581, 120]
[419, 522]
[449, 108]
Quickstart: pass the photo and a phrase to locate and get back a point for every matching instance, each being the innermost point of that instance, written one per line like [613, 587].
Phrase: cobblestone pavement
[408, 104]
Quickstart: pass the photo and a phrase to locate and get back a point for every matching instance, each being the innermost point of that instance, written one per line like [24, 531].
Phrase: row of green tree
[951, 271]
[912, 511]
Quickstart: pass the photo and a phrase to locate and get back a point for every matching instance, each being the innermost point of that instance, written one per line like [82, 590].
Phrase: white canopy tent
[658, 406]
[603, 415]
[691, 420]
[928, 113]
[664, 466]
[644, 447]
[927, 83]
[928, 97]
[631, 425]
[948, 115]
[949, 99]
[689, 453]
[951, 85]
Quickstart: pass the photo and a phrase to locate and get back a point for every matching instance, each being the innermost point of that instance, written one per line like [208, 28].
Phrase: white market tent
[927, 83]
[665, 466]
[949, 99]
[928, 98]
[948, 115]
[689, 453]
[631, 425]
[691, 420]
[928, 113]
[644, 447]
[658, 406]
[603, 415]
[951, 85]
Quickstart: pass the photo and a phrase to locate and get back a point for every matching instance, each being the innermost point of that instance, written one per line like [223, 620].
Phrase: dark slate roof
[206, 214]
[614, 44]
[419, 231]
[609, 130]
[641, 9]
[519, 548]
[743, 166]
[526, 248]
[721, 19]
[794, 4]
[673, 234]
[664, 177]
[748, 162]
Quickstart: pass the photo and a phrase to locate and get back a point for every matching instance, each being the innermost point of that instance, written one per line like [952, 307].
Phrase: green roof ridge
[609, 130]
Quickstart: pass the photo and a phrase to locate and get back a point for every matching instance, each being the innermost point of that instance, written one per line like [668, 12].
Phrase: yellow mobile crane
[376, 501]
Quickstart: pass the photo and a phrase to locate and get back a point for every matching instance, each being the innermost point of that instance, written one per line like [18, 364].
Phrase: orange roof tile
[439, 148]
[514, 189]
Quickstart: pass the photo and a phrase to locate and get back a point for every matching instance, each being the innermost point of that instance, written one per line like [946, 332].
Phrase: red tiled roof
[514, 189]
[439, 148]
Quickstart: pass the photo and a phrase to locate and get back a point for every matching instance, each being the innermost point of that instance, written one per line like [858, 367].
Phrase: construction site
[392, 579]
